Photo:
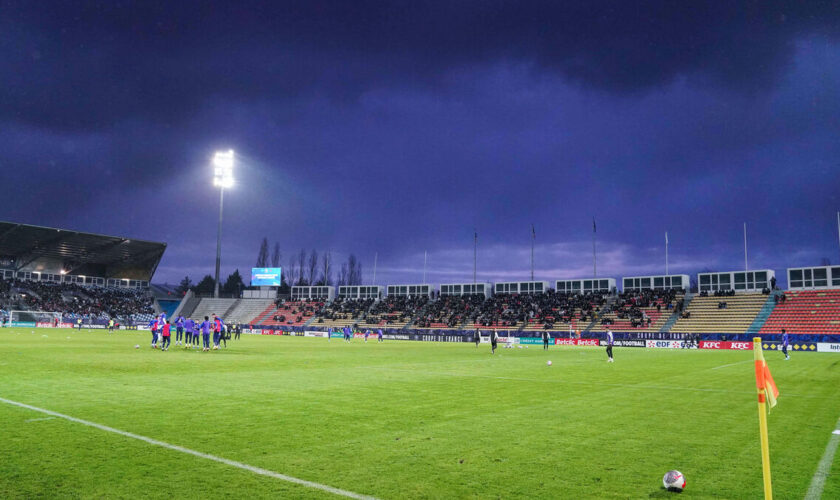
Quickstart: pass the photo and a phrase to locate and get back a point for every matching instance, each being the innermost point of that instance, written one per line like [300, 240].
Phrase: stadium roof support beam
[38, 250]
[5, 234]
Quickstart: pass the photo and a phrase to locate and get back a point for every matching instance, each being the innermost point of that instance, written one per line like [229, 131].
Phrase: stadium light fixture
[223, 169]
[222, 178]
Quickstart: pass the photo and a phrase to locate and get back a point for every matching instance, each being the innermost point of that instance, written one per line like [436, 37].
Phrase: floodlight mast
[222, 178]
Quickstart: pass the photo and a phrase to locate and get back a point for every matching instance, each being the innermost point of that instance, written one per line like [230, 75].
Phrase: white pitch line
[818, 481]
[733, 364]
[39, 419]
[232, 463]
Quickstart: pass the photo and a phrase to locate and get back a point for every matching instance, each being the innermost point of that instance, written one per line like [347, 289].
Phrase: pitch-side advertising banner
[794, 346]
[664, 344]
[828, 347]
[625, 343]
[589, 342]
[721, 344]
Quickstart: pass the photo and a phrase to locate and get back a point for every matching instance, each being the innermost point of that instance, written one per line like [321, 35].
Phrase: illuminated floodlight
[223, 169]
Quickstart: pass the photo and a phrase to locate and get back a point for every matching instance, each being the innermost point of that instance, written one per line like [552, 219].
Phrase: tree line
[303, 269]
[314, 268]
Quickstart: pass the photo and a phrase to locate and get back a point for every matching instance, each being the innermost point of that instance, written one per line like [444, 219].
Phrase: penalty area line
[207, 456]
[818, 481]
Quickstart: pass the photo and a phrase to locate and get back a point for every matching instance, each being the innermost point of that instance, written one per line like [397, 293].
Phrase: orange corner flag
[763, 379]
[767, 393]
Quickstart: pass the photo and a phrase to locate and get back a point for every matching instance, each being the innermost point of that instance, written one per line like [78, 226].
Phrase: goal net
[34, 318]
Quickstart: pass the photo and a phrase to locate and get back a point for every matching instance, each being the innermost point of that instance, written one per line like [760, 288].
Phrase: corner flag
[763, 379]
[767, 393]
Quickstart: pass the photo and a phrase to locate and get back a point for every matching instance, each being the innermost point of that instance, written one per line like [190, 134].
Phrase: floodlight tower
[222, 178]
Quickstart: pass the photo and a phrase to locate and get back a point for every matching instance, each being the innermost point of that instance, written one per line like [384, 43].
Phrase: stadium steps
[706, 317]
[245, 310]
[267, 313]
[225, 315]
[675, 316]
[608, 305]
[187, 307]
[763, 314]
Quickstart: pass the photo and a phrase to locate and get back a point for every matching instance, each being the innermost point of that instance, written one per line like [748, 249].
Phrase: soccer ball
[548, 362]
[137, 346]
[673, 481]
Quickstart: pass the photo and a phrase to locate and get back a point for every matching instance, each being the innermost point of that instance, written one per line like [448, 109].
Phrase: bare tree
[276, 255]
[262, 257]
[312, 268]
[301, 267]
[354, 270]
[292, 272]
[342, 275]
[326, 262]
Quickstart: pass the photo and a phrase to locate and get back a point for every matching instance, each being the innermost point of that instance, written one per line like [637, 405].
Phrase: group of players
[348, 333]
[189, 333]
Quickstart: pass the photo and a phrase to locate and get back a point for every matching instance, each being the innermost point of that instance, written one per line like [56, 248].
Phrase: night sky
[402, 127]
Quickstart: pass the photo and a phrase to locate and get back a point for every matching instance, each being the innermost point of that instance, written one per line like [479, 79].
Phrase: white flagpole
[594, 262]
[475, 253]
[425, 257]
[666, 253]
[746, 267]
[375, 257]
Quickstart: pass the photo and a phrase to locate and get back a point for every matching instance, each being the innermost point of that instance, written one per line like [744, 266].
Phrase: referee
[494, 338]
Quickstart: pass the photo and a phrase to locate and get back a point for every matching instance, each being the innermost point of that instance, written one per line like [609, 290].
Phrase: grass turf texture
[402, 419]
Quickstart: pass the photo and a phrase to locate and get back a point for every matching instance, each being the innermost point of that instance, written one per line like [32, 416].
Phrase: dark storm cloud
[395, 128]
[74, 65]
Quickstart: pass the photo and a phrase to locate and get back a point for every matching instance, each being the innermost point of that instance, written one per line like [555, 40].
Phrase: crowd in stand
[74, 300]
[631, 305]
[511, 310]
[449, 310]
[297, 310]
[396, 309]
[344, 309]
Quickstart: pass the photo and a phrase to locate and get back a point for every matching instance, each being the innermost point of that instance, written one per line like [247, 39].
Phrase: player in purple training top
[189, 325]
[785, 344]
[379, 335]
[154, 328]
[367, 334]
[179, 330]
[206, 326]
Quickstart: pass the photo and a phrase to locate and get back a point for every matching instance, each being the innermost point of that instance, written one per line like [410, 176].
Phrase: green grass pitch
[402, 419]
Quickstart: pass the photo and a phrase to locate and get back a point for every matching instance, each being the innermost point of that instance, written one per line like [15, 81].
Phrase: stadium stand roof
[25, 247]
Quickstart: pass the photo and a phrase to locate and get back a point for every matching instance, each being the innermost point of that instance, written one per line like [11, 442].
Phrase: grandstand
[89, 276]
[732, 313]
[815, 312]
[644, 310]
[729, 304]
[343, 312]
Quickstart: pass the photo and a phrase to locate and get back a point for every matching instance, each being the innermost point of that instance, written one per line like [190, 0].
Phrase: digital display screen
[265, 276]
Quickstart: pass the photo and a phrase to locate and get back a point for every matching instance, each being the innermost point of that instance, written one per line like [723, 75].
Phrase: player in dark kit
[545, 338]
[165, 337]
[179, 330]
[494, 339]
[477, 337]
[785, 344]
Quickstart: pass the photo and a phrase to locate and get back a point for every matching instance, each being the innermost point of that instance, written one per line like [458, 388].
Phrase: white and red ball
[673, 480]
